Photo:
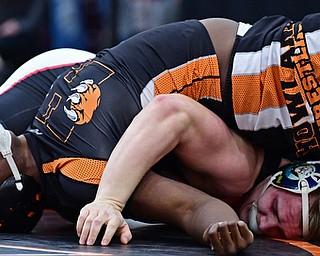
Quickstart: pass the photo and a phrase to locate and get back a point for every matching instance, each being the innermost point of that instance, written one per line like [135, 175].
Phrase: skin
[23, 159]
[279, 211]
[220, 169]
[211, 169]
[190, 208]
[174, 125]
[204, 217]
[180, 205]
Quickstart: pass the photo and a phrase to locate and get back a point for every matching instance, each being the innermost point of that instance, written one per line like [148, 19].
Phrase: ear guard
[20, 195]
[300, 178]
[5, 149]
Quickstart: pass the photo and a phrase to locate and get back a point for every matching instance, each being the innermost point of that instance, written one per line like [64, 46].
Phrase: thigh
[23, 92]
[218, 160]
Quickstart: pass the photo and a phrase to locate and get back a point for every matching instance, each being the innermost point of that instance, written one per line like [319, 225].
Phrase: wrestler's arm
[153, 133]
[173, 122]
[159, 199]
[150, 138]
[127, 165]
[145, 142]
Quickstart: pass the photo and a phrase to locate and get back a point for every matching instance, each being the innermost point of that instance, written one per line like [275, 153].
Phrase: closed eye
[275, 209]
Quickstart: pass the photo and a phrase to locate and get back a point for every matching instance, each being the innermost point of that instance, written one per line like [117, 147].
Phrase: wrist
[114, 203]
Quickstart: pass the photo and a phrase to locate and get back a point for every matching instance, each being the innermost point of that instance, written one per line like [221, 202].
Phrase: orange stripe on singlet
[197, 79]
[313, 249]
[253, 93]
[315, 59]
[79, 169]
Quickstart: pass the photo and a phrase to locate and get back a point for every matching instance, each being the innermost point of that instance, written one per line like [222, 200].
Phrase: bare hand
[229, 237]
[97, 214]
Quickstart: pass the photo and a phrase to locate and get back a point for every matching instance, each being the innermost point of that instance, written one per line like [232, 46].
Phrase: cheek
[266, 201]
[244, 212]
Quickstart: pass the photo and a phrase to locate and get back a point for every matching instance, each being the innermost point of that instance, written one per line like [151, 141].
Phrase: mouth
[253, 222]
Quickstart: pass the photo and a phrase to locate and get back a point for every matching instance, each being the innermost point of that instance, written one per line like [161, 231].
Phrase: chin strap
[253, 223]
[305, 206]
[5, 149]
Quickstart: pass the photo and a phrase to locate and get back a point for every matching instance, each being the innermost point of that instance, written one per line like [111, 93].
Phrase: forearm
[206, 213]
[158, 199]
[151, 135]
[125, 169]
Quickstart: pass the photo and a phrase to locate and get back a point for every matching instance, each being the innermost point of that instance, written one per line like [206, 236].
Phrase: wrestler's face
[278, 212]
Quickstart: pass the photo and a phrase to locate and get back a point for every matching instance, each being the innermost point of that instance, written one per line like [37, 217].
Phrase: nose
[269, 225]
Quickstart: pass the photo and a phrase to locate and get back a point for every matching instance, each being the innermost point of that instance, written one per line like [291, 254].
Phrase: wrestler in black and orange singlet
[90, 106]
[271, 96]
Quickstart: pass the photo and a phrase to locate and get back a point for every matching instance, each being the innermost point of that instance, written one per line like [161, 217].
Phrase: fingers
[228, 237]
[245, 232]
[222, 242]
[89, 225]
[121, 230]
[214, 237]
[81, 220]
[91, 220]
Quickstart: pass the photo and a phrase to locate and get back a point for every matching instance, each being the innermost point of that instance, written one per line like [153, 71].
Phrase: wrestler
[230, 145]
[89, 107]
[59, 189]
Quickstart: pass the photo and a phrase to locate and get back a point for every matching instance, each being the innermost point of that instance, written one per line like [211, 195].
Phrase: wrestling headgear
[20, 195]
[300, 178]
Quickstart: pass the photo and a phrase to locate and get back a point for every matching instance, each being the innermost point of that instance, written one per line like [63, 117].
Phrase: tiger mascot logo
[83, 102]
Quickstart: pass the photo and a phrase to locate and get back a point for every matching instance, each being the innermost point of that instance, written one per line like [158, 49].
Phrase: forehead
[281, 200]
[282, 193]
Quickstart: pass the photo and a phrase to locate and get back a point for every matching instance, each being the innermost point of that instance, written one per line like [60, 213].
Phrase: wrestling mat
[54, 236]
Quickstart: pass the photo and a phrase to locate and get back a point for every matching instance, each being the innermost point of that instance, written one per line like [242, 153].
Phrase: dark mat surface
[53, 236]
